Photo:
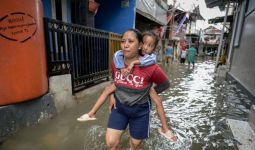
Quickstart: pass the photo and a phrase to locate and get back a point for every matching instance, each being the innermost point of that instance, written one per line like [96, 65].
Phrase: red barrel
[23, 73]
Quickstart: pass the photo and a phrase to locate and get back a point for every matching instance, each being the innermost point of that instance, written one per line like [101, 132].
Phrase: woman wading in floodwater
[132, 95]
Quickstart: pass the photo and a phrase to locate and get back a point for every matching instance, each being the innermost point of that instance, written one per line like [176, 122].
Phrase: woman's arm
[160, 79]
[112, 103]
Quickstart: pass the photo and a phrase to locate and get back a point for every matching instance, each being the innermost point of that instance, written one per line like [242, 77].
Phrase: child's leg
[102, 98]
[160, 109]
[165, 130]
[170, 59]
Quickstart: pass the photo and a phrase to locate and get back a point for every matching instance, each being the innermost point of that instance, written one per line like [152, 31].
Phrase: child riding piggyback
[147, 58]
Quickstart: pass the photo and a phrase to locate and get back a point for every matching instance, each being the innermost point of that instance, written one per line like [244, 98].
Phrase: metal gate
[79, 50]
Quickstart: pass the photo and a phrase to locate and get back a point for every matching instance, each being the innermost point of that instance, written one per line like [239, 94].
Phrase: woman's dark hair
[153, 35]
[137, 33]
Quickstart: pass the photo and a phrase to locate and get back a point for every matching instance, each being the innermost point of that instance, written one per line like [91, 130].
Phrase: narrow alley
[197, 105]
[57, 57]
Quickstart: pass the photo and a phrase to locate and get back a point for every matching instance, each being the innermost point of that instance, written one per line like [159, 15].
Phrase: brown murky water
[196, 105]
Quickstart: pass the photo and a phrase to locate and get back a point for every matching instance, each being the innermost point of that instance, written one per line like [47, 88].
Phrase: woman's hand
[112, 103]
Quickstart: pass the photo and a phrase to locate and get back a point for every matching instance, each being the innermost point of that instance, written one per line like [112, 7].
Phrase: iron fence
[79, 50]
[114, 45]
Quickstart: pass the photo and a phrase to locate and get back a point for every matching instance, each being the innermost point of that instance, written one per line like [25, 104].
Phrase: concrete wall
[243, 62]
[64, 10]
[15, 117]
[68, 11]
[49, 9]
[60, 87]
[112, 17]
[252, 117]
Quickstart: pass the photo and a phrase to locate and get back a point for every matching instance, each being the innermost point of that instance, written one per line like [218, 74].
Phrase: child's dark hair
[152, 34]
[137, 33]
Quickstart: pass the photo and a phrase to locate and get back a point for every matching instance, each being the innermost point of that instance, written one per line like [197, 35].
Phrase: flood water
[196, 105]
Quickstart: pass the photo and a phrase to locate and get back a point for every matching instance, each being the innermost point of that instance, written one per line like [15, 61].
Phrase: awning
[213, 3]
[152, 10]
[220, 19]
[220, 3]
[149, 17]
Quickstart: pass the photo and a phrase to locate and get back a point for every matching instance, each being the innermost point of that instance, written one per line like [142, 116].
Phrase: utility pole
[171, 24]
[171, 28]
[221, 38]
[190, 39]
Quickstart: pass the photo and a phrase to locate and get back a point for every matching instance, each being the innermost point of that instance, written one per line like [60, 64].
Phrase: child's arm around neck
[147, 60]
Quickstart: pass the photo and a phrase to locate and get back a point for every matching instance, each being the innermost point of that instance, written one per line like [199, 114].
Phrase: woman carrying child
[133, 92]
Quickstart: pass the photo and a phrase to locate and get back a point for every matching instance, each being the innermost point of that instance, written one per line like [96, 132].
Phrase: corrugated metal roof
[220, 19]
[219, 3]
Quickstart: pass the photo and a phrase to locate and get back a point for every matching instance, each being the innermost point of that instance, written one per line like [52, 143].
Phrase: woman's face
[130, 45]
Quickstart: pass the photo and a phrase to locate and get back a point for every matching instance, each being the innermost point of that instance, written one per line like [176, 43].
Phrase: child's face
[148, 45]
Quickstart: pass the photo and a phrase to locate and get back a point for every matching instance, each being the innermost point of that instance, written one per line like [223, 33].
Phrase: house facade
[241, 56]
[241, 47]
[73, 44]
[211, 40]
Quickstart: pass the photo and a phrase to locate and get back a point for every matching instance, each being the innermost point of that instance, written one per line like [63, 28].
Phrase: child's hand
[130, 67]
[125, 71]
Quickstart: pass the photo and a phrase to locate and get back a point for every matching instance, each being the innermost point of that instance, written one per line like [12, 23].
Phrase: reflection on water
[196, 105]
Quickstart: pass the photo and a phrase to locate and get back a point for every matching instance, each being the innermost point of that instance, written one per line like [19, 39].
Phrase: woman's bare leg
[112, 138]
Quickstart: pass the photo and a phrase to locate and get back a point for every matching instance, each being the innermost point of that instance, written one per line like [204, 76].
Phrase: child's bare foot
[86, 117]
[168, 134]
[91, 115]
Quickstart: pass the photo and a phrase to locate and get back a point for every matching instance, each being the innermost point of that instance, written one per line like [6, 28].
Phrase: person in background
[191, 56]
[183, 56]
[169, 53]
[183, 51]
